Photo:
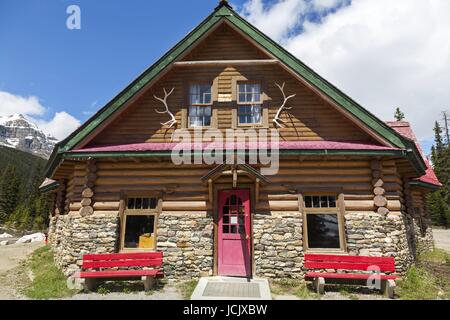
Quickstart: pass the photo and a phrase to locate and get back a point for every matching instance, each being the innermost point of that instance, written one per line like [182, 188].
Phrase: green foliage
[438, 202]
[429, 279]
[399, 115]
[103, 290]
[298, 288]
[22, 206]
[187, 288]
[49, 282]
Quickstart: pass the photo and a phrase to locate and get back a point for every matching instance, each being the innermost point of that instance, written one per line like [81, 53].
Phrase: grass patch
[294, 287]
[48, 281]
[187, 288]
[429, 279]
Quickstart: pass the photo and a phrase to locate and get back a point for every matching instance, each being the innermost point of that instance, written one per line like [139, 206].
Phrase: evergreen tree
[9, 190]
[399, 115]
[438, 202]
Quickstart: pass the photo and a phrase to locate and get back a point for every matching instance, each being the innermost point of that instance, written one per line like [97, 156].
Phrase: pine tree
[9, 190]
[399, 115]
[438, 202]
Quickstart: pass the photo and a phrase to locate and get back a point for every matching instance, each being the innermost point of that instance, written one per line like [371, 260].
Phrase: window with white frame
[323, 223]
[249, 103]
[200, 105]
[139, 223]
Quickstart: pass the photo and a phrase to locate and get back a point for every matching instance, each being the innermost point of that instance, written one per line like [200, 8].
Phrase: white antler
[172, 121]
[277, 119]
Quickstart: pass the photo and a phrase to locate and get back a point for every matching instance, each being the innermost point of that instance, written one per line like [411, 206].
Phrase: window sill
[253, 125]
[137, 250]
[327, 251]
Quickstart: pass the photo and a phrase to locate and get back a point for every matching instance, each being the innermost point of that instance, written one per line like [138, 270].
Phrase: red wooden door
[234, 249]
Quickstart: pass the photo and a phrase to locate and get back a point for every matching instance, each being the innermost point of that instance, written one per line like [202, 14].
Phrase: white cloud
[382, 53]
[60, 126]
[11, 104]
[285, 15]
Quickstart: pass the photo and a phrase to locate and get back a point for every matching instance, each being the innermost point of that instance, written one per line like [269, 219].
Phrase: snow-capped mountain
[18, 132]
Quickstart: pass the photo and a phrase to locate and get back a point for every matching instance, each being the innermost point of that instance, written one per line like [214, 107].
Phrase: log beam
[87, 194]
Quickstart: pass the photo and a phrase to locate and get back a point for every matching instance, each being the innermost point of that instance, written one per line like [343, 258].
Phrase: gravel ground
[167, 293]
[10, 257]
[442, 239]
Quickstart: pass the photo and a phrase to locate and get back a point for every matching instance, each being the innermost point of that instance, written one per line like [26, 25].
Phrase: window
[200, 105]
[322, 223]
[139, 223]
[249, 103]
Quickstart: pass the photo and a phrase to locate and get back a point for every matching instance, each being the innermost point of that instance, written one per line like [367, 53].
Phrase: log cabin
[346, 182]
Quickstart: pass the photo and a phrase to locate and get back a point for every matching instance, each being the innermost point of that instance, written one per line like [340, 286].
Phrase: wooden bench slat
[123, 256]
[121, 274]
[354, 276]
[343, 258]
[122, 263]
[348, 266]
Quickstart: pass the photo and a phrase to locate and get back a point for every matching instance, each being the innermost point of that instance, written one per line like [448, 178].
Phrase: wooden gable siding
[183, 193]
[225, 44]
[309, 119]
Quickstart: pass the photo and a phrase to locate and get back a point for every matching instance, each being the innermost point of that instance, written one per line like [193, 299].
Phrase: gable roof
[224, 13]
[429, 180]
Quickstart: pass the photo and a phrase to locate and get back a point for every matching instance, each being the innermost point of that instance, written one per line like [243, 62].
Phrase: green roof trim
[50, 187]
[137, 154]
[422, 184]
[226, 12]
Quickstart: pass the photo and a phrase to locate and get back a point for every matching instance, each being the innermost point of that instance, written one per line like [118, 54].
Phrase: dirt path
[10, 258]
[442, 239]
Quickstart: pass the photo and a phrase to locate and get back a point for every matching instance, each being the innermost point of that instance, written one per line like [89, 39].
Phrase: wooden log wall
[184, 193]
[87, 195]
[225, 44]
[61, 197]
[310, 118]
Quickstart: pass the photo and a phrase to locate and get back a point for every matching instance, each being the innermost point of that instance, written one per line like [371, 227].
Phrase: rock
[5, 235]
[35, 237]
[6, 242]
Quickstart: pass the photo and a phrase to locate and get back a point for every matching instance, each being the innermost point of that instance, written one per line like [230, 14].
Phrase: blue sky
[80, 70]
[378, 52]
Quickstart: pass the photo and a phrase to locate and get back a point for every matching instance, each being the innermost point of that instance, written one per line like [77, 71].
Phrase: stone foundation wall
[72, 236]
[377, 235]
[187, 241]
[278, 245]
[424, 241]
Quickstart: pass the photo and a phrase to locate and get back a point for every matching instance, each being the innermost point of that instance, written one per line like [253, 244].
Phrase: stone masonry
[278, 245]
[188, 244]
[72, 236]
[188, 241]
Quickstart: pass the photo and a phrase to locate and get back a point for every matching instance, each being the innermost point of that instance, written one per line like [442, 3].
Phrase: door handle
[247, 237]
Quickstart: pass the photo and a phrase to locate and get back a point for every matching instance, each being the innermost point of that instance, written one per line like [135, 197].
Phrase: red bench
[112, 266]
[380, 265]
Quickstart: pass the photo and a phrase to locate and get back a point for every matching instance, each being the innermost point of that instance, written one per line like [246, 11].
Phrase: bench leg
[389, 288]
[319, 285]
[149, 282]
[89, 284]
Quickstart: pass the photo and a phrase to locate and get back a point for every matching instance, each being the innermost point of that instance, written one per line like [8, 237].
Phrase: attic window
[200, 105]
[249, 103]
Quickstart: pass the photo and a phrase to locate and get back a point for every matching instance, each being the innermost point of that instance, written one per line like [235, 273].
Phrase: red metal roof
[283, 145]
[404, 128]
